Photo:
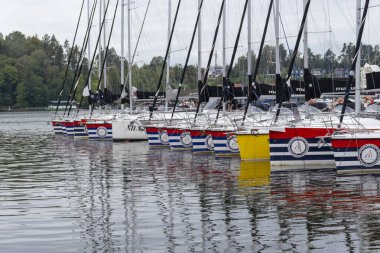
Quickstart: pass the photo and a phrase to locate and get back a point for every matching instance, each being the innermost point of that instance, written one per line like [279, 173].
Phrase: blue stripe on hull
[306, 158]
[311, 149]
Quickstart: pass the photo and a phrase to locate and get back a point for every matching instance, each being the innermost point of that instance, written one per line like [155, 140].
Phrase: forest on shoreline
[32, 69]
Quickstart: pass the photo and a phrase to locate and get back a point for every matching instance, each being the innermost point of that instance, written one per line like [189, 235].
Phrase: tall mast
[277, 31]
[224, 50]
[200, 44]
[199, 50]
[251, 93]
[130, 58]
[122, 57]
[105, 43]
[165, 60]
[89, 45]
[100, 42]
[249, 42]
[357, 72]
[168, 59]
[354, 62]
[306, 60]
[305, 42]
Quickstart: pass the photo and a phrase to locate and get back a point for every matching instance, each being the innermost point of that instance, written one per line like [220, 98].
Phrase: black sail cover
[203, 91]
[312, 89]
[283, 92]
[373, 80]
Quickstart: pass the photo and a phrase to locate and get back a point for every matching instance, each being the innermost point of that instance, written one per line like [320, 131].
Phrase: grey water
[61, 195]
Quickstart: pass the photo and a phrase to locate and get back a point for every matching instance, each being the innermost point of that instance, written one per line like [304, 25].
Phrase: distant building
[297, 73]
[341, 73]
[53, 105]
[215, 71]
[317, 72]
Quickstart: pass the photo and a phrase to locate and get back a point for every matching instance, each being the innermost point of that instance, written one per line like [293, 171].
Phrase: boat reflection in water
[102, 196]
[254, 173]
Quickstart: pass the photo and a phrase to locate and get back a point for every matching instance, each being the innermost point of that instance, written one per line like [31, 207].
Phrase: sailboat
[127, 126]
[307, 143]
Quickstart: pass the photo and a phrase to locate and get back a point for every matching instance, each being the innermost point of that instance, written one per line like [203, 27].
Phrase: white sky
[59, 18]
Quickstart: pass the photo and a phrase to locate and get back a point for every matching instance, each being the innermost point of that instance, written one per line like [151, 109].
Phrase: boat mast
[277, 32]
[100, 42]
[203, 84]
[224, 51]
[200, 47]
[122, 56]
[306, 59]
[130, 58]
[227, 84]
[168, 59]
[105, 43]
[79, 66]
[283, 84]
[164, 63]
[68, 61]
[187, 60]
[89, 48]
[354, 62]
[357, 72]
[251, 94]
[106, 46]
[249, 42]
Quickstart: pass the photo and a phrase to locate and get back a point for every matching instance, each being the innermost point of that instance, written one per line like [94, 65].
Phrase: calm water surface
[61, 195]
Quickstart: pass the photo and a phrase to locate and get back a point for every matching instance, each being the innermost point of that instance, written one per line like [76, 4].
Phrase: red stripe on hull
[354, 143]
[96, 125]
[301, 131]
[219, 134]
[198, 133]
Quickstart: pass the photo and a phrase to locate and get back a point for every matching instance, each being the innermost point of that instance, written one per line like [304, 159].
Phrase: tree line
[32, 69]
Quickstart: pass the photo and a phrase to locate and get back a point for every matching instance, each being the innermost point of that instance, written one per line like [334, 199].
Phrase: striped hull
[202, 141]
[99, 130]
[157, 137]
[301, 147]
[225, 143]
[357, 155]
[64, 131]
[179, 139]
[80, 131]
[57, 126]
[70, 128]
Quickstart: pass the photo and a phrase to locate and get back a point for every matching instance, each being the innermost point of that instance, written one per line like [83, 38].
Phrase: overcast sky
[331, 22]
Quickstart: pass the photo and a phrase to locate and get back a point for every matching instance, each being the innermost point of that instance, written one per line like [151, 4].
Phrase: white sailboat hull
[128, 129]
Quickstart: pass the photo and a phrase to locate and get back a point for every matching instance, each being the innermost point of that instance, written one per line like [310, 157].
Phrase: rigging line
[284, 81]
[69, 59]
[258, 60]
[348, 21]
[285, 37]
[106, 53]
[204, 82]
[86, 83]
[164, 63]
[187, 59]
[137, 43]
[226, 80]
[353, 66]
[372, 6]
[81, 56]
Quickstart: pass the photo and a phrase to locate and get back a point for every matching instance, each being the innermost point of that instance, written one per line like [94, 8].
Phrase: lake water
[61, 195]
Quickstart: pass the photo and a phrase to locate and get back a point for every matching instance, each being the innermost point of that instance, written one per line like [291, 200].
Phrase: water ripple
[61, 195]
